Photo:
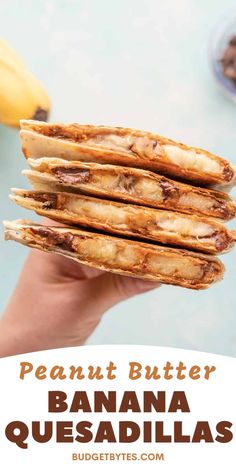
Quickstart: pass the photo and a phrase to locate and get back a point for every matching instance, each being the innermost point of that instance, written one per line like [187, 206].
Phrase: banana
[21, 94]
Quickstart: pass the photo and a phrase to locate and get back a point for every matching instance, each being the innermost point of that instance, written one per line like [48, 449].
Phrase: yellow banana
[21, 94]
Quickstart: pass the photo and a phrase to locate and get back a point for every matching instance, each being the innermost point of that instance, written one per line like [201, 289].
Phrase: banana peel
[21, 95]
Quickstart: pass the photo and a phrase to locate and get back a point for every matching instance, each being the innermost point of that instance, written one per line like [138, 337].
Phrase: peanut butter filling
[138, 187]
[157, 225]
[151, 151]
[113, 253]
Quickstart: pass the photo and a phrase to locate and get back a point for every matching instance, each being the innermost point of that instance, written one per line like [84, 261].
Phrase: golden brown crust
[174, 229]
[129, 185]
[125, 257]
[133, 148]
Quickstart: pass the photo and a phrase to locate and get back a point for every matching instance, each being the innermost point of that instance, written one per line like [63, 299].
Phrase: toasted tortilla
[166, 227]
[128, 185]
[125, 147]
[120, 256]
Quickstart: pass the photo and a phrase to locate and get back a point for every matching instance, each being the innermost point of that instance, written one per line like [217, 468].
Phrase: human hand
[58, 303]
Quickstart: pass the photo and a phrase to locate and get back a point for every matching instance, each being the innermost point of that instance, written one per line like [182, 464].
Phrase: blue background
[142, 64]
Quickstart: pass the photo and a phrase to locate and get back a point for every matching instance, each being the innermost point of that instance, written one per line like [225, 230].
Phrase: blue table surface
[142, 64]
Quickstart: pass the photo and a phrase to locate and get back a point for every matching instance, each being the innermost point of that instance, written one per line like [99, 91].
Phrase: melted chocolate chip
[54, 239]
[72, 175]
[220, 241]
[228, 173]
[49, 200]
[223, 210]
[169, 190]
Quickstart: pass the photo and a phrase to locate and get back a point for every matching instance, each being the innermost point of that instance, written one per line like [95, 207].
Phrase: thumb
[111, 289]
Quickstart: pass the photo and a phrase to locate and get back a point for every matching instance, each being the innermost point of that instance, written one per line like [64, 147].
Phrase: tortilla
[128, 185]
[120, 256]
[166, 227]
[124, 146]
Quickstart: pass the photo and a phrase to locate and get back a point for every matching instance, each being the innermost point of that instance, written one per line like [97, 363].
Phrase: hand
[58, 303]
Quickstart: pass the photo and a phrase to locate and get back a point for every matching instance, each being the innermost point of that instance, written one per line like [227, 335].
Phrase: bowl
[219, 41]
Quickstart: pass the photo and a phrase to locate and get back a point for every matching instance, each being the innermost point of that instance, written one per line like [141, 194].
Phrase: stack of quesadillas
[130, 202]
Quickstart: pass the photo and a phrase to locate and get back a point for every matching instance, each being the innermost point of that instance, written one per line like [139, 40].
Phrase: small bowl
[218, 43]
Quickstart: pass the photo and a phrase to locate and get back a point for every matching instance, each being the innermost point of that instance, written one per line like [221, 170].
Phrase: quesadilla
[129, 185]
[166, 227]
[125, 147]
[120, 256]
